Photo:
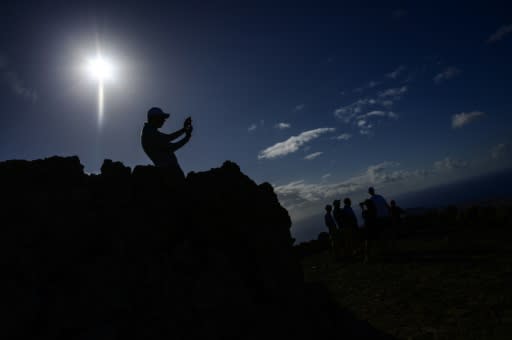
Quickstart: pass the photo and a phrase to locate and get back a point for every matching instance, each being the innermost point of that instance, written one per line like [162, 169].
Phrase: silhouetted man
[158, 146]
[333, 231]
[383, 220]
[337, 214]
[348, 213]
[349, 226]
[381, 206]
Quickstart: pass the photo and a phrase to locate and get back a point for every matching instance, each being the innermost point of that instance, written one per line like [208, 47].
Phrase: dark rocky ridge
[121, 255]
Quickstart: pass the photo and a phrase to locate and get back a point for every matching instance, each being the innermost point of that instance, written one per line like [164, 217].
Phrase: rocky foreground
[126, 255]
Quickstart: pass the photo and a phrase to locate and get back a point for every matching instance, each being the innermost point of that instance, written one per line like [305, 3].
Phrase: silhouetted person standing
[382, 210]
[381, 206]
[158, 146]
[337, 214]
[331, 226]
[344, 237]
[348, 213]
[371, 232]
[351, 229]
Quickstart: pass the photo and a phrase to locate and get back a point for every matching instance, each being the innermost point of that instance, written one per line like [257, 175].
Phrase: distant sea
[489, 187]
[495, 186]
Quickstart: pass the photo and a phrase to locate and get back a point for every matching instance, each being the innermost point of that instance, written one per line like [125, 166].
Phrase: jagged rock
[130, 255]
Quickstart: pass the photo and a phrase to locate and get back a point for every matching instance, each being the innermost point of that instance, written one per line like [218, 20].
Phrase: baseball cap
[157, 112]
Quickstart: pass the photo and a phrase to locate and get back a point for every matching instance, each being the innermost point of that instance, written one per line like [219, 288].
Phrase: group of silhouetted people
[380, 221]
[380, 218]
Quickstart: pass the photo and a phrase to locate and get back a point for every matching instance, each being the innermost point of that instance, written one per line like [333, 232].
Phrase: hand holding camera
[187, 126]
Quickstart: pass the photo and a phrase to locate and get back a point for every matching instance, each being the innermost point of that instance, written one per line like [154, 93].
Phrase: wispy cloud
[297, 192]
[393, 92]
[313, 155]
[500, 33]
[378, 113]
[343, 136]
[254, 126]
[349, 112]
[364, 121]
[396, 72]
[446, 74]
[370, 85]
[463, 118]
[326, 176]
[364, 126]
[449, 163]
[292, 144]
[282, 126]
[353, 113]
[299, 107]
[15, 82]
[499, 151]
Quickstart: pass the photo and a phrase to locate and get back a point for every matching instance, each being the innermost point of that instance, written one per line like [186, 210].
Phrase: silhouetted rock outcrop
[124, 255]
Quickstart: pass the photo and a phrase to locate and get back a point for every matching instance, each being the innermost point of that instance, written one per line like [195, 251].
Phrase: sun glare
[100, 68]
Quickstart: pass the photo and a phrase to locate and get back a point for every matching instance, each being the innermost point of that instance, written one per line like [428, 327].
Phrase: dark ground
[453, 284]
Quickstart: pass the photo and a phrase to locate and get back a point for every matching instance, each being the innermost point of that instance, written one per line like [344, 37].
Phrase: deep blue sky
[419, 93]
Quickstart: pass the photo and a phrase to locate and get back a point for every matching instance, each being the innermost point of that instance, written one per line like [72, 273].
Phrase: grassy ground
[450, 285]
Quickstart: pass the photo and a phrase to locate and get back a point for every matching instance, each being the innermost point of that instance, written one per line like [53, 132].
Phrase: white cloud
[379, 174]
[393, 92]
[500, 33]
[326, 176]
[364, 124]
[282, 126]
[446, 74]
[313, 155]
[500, 150]
[343, 136]
[353, 113]
[463, 118]
[450, 164]
[292, 144]
[378, 113]
[395, 73]
[299, 107]
[364, 127]
[348, 112]
[252, 127]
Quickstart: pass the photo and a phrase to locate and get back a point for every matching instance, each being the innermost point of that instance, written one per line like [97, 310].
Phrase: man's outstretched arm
[175, 146]
[172, 136]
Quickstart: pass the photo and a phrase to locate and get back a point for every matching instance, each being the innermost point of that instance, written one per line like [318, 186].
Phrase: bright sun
[100, 68]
